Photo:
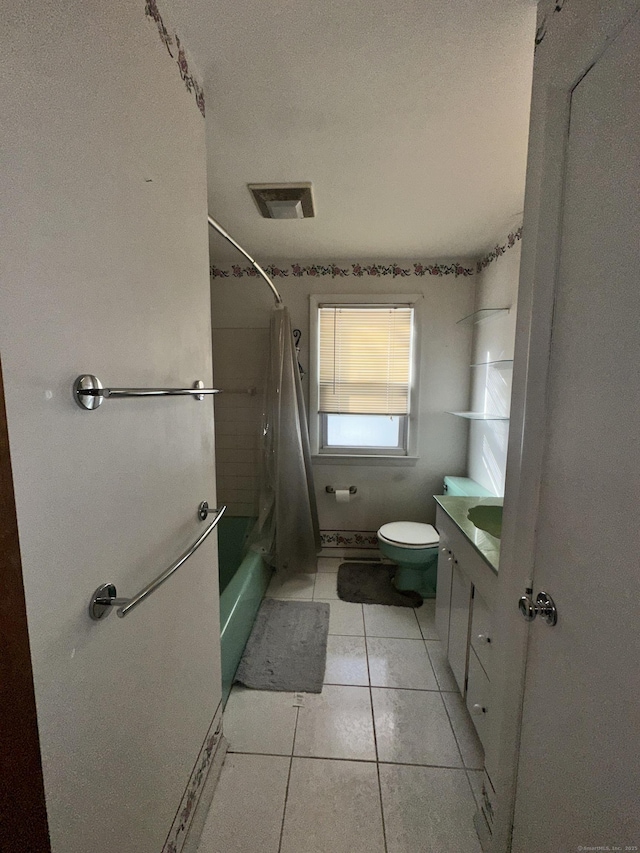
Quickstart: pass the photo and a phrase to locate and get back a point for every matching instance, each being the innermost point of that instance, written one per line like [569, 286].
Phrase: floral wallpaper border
[173, 42]
[512, 238]
[455, 269]
[348, 539]
[184, 816]
[335, 271]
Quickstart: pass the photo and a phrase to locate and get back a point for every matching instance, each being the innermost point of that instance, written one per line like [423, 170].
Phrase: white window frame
[407, 454]
[400, 450]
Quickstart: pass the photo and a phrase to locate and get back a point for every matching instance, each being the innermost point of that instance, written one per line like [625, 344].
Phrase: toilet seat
[409, 534]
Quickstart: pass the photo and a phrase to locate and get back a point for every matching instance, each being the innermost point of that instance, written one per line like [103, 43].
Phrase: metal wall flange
[98, 609]
[330, 490]
[88, 382]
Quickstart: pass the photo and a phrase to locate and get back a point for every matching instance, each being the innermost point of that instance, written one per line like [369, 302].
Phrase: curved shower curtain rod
[217, 227]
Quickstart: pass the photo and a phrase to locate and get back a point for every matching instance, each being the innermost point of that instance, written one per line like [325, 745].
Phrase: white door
[578, 779]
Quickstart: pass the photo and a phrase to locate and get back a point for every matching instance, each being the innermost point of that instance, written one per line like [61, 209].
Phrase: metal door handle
[543, 607]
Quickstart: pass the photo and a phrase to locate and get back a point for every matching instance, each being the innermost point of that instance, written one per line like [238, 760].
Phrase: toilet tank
[465, 486]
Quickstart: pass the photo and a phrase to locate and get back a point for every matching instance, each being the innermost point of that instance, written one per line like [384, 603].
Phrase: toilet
[414, 547]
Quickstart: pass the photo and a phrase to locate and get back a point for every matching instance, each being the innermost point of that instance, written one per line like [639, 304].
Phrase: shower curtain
[287, 533]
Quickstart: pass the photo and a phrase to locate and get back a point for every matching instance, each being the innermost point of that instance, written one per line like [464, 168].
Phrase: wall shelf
[479, 416]
[482, 315]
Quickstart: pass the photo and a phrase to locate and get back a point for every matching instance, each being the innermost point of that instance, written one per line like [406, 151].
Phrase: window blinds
[365, 360]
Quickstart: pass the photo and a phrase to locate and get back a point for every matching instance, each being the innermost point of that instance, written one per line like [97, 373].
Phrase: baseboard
[206, 768]
[367, 554]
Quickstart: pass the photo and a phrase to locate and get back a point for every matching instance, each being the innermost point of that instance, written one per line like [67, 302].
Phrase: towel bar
[89, 393]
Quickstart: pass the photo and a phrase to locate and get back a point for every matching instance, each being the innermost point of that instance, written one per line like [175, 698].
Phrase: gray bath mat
[287, 649]
[370, 583]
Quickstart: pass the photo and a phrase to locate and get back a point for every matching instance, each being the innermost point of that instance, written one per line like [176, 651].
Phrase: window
[363, 380]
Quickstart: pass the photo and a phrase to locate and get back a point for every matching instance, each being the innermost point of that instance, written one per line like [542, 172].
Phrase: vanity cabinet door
[481, 638]
[479, 698]
[443, 591]
[459, 624]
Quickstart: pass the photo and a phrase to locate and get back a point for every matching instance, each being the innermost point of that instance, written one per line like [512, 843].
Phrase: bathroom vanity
[467, 582]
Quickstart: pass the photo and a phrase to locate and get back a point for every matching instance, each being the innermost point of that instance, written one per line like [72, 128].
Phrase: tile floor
[384, 760]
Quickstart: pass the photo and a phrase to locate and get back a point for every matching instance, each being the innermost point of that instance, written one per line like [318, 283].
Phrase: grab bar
[89, 393]
[104, 598]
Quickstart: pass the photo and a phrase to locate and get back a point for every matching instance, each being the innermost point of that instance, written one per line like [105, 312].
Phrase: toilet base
[422, 580]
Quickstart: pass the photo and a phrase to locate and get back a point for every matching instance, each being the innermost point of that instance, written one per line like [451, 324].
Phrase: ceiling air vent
[283, 201]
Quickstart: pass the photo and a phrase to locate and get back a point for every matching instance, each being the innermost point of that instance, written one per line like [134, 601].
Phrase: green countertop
[457, 508]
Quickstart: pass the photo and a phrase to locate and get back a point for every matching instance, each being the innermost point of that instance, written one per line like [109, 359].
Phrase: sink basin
[487, 518]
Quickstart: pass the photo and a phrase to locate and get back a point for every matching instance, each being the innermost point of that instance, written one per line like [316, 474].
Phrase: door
[23, 814]
[578, 778]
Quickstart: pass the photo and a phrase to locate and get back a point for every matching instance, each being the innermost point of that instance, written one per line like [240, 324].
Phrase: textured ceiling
[409, 117]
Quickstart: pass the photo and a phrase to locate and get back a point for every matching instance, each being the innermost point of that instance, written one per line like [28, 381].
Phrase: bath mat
[370, 583]
[287, 649]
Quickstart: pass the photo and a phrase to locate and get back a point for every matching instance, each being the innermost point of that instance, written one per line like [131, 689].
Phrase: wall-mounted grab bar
[89, 393]
[104, 598]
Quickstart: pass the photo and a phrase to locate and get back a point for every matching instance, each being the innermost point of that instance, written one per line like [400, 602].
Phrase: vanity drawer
[478, 698]
[481, 637]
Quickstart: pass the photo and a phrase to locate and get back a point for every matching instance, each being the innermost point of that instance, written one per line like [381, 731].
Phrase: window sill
[362, 459]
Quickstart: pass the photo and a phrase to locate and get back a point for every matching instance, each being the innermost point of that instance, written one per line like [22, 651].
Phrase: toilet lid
[410, 533]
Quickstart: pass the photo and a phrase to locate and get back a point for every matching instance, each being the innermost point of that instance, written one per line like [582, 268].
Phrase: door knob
[543, 607]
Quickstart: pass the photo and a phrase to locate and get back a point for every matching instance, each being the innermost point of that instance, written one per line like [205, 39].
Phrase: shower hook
[297, 334]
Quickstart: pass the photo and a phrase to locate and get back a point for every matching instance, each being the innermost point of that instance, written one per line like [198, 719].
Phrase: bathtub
[243, 581]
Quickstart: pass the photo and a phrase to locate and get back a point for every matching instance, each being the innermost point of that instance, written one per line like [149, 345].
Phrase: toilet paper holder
[330, 490]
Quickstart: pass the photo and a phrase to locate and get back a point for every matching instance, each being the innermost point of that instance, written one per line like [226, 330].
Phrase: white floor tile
[333, 807]
[412, 727]
[400, 663]
[466, 735]
[336, 723]
[345, 618]
[325, 586]
[248, 806]
[329, 564]
[426, 616]
[346, 661]
[476, 778]
[444, 675]
[428, 809]
[383, 621]
[260, 721]
[297, 587]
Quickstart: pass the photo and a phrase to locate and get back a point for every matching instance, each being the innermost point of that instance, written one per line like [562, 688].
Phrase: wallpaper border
[169, 41]
[348, 539]
[188, 804]
[299, 270]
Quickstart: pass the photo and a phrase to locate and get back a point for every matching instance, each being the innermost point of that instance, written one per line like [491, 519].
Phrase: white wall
[241, 312]
[493, 340]
[105, 256]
